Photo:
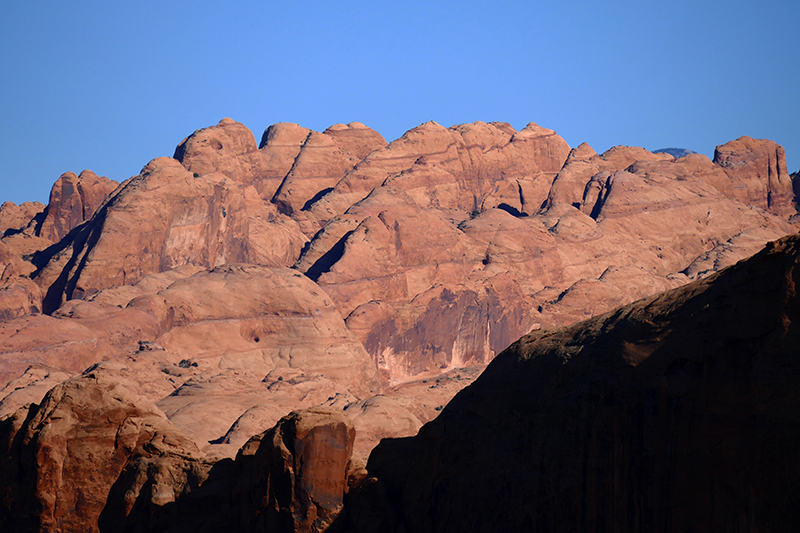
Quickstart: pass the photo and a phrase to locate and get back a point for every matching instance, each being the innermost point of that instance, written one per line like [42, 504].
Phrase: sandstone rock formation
[19, 296]
[61, 458]
[95, 456]
[208, 347]
[294, 477]
[678, 412]
[292, 163]
[462, 239]
[468, 167]
[757, 169]
[404, 273]
[162, 219]
[290, 478]
[73, 200]
[435, 265]
[238, 282]
[15, 217]
[36, 340]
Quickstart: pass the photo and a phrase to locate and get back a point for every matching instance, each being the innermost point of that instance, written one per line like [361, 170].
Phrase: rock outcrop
[291, 478]
[583, 163]
[60, 459]
[209, 347]
[239, 281]
[16, 217]
[757, 170]
[323, 160]
[427, 289]
[294, 477]
[19, 296]
[73, 200]
[36, 340]
[461, 239]
[162, 219]
[95, 456]
[468, 167]
[678, 412]
[291, 165]
[260, 337]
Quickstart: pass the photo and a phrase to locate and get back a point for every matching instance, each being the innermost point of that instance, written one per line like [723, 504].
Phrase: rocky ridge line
[237, 282]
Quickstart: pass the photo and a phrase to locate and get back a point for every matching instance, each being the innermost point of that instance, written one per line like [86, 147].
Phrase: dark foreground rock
[94, 456]
[679, 412]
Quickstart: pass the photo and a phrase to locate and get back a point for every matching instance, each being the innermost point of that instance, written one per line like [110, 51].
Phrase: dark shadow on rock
[316, 197]
[328, 259]
[206, 507]
[511, 210]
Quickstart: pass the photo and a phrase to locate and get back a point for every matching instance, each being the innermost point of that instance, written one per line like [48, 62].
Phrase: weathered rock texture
[15, 217]
[94, 456]
[239, 281]
[438, 249]
[757, 169]
[165, 218]
[264, 339]
[408, 260]
[73, 200]
[676, 413]
[291, 478]
[468, 167]
[61, 458]
[294, 477]
[427, 289]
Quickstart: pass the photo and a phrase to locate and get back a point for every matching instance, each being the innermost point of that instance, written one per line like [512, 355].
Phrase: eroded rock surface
[73, 200]
[297, 477]
[240, 281]
[678, 412]
[758, 174]
[16, 217]
[61, 458]
[96, 456]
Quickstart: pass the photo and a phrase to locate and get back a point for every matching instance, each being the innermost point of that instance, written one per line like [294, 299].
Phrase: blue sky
[109, 85]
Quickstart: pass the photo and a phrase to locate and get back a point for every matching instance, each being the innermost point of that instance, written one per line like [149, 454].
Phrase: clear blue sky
[110, 85]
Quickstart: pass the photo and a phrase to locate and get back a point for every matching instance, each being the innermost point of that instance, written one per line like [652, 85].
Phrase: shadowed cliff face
[95, 457]
[677, 413]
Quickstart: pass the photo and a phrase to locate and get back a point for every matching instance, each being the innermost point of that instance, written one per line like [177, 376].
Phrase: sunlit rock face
[73, 200]
[438, 249]
[757, 170]
[239, 281]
